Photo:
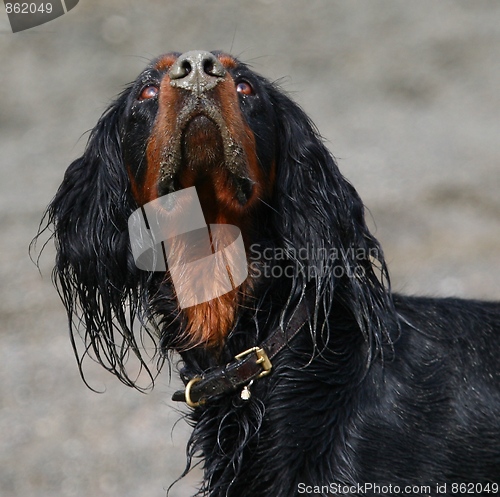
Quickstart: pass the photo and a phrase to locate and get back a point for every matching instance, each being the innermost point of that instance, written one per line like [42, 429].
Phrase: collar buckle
[262, 359]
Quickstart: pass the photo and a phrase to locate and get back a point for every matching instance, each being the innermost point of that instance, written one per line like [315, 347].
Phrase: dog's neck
[236, 436]
[247, 366]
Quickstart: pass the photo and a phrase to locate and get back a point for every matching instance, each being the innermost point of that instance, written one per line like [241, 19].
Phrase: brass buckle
[262, 359]
[187, 392]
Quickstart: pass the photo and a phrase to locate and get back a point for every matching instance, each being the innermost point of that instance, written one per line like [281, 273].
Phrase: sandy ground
[407, 95]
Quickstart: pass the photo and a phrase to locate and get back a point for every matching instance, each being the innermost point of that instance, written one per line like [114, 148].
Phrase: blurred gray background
[407, 94]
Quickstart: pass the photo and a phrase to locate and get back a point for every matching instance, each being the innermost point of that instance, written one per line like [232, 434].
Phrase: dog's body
[426, 414]
[367, 388]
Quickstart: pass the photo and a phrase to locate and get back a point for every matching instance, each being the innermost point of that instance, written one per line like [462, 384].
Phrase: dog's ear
[322, 223]
[95, 274]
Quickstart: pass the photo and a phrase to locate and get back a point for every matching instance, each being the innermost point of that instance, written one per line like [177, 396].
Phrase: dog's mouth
[205, 154]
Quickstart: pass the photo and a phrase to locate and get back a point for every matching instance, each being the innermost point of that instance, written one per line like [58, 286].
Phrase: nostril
[186, 67]
[208, 67]
[181, 69]
[213, 67]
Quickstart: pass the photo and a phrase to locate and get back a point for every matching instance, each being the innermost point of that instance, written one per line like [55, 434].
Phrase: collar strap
[246, 367]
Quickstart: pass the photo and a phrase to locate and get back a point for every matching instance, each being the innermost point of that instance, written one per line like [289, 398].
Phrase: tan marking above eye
[149, 92]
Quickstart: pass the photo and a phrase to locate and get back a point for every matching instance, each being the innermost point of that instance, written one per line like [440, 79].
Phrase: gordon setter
[310, 377]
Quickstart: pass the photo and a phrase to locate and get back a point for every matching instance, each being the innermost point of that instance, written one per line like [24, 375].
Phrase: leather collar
[246, 367]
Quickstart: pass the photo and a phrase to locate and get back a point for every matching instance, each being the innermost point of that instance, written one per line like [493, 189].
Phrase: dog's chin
[202, 147]
[204, 164]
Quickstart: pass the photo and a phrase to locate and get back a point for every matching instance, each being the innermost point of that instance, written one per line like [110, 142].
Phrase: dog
[311, 376]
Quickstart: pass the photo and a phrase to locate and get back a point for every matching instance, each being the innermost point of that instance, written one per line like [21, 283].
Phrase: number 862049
[28, 8]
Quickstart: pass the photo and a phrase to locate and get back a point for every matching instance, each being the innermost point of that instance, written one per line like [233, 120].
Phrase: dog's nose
[196, 71]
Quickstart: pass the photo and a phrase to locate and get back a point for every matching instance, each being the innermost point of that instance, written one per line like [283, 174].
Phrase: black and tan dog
[311, 375]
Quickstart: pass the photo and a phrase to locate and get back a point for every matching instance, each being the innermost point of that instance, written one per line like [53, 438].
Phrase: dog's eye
[148, 92]
[245, 88]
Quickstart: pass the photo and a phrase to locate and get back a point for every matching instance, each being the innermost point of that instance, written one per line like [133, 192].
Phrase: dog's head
[205, 121]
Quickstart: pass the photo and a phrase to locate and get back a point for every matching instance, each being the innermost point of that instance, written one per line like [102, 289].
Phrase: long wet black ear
[322, 224]
[95, 274]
